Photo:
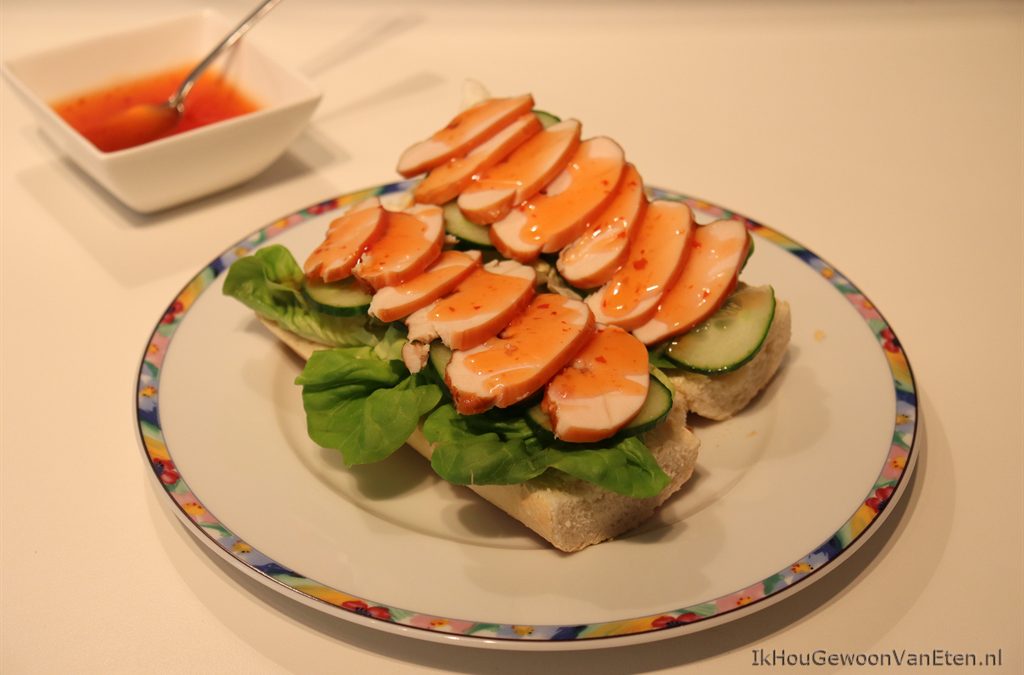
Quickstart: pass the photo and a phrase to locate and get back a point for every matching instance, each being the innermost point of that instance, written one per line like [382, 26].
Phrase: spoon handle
[241, 29]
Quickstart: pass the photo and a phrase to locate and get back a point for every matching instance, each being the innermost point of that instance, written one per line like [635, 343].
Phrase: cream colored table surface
[885, 136]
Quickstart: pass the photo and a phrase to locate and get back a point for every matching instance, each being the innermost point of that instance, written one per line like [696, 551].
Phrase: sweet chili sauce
[212, 99]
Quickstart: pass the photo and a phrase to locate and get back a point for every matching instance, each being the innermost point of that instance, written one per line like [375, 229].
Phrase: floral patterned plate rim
[196, 481]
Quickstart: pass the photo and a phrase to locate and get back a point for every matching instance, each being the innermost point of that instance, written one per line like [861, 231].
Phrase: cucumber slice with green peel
[469, 234]
[730, 337]
[337, 298]
[546, 118]
[540, 422]
[654, 409]
[439, 357]
[656, 406]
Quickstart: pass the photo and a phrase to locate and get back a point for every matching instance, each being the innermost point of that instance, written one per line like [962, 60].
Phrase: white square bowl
[185, 166]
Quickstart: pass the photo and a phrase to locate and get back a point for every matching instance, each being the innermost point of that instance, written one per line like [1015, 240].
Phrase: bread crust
[571, 513]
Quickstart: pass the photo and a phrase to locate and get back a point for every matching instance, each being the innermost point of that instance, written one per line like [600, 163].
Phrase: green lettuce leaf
[362, 405]
[479, 450]
[389, 344]
[270, 283]
[497, 449]
[627, 467]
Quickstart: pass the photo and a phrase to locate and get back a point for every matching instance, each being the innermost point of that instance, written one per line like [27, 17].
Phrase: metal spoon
[145, 122]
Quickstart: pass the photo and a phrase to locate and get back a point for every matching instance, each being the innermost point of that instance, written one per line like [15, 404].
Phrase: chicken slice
[510, 367]
[479, 308]
[602, 388]
[709, 276]
[593, 257]
[654, 262]
[468, 129]
[521, 175]
[411, 241]
[392, 303]
[558, 214]
[446, 181]
[347, 238]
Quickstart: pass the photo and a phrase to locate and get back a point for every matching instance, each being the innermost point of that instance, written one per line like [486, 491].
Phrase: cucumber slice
[546, 118]
[540, 423]
[655, 408]
[338, 298]
[469, 234]
[440, 355]
[730, 337]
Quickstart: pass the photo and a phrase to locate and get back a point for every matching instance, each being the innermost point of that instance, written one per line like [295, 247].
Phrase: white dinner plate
[782, 492]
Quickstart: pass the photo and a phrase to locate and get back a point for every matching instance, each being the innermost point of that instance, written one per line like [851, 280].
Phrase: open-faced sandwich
[527, 319]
